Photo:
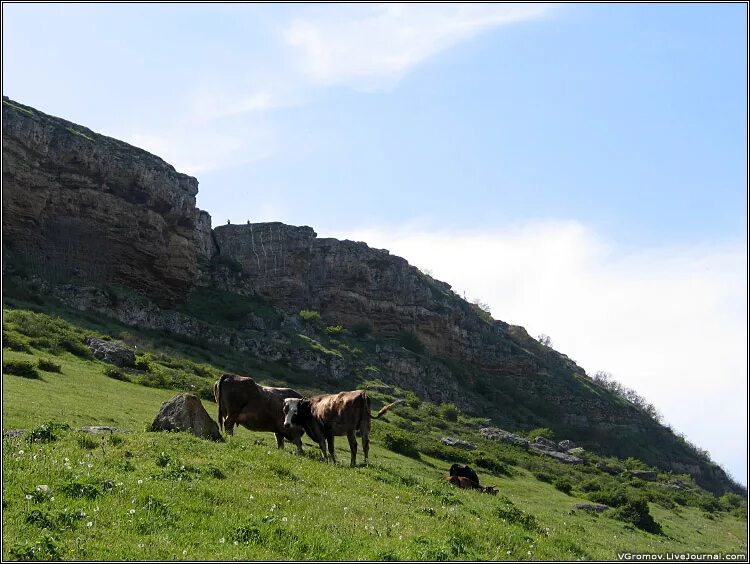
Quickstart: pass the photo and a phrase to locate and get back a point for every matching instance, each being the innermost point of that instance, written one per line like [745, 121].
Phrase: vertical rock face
[351, 283]
[81, 206]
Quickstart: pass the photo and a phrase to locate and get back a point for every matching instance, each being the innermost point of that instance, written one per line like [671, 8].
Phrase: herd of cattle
[288, 415]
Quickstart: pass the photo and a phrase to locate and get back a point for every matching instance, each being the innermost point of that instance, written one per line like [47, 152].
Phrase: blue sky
[581, 168]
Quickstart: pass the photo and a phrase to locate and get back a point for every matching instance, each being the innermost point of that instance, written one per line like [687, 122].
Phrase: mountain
[109, 228]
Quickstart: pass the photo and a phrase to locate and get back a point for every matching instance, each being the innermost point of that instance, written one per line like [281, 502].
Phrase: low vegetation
[68, 494]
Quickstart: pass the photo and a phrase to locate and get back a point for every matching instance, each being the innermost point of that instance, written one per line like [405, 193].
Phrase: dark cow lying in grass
[327, 416]
[258, 408]
[465, 478]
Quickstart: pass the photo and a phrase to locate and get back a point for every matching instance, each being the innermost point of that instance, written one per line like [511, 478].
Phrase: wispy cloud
[371, 46]
[669, 322]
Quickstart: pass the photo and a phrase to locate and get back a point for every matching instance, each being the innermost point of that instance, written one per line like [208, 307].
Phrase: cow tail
[385, 408]
[218, 397]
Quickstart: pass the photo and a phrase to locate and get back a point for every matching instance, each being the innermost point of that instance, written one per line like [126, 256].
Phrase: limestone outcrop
[81, 206]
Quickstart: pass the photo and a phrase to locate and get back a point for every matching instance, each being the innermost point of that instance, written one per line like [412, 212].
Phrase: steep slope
[81, 206]
[87, 219]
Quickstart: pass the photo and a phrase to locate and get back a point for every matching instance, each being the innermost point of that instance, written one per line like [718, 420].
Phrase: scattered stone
[678, 485]
[185, 412]
[607, 469]
[458, 443]
[591, 507]
[496, 434]
[566, 445]
[111, 352]
[577, 451]
[96, 430]
[13, 433]
[546, 444]
[559, 456]
[647, 475]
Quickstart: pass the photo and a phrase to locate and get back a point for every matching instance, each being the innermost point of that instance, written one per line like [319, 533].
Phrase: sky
[581, 168]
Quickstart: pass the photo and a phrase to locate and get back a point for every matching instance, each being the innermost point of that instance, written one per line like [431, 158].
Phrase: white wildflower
[140, 482]
[28, 496]
[42, 488]
[222, 540]
[283, 519]
[132, 511]
[20, 452]
[90, 524]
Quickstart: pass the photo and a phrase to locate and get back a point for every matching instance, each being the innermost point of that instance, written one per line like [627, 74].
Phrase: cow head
[293, 408]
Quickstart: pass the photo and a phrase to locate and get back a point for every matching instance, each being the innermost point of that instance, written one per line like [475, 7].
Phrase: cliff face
[349, 283]
[81, 206]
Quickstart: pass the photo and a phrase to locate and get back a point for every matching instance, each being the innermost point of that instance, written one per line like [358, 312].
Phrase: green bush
[412, 400]
[563, 484]
[636, 513]
[309, 315]
[400, 443]
[76, 347]
[449, 412]
[112, 372]
[143, 362]
[362, 329]
[46, 433]
[14, 343]
[542, 477]
[87, 442]
[48, 366]
[22, 368]
[492, 465]
[334, 329]
[410, 341]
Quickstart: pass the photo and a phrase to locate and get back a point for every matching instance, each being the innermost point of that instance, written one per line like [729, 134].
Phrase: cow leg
[330, 449]
[366, 445]
[279, 440]
[298, 443]
[229, 425]
[322, 445]
[352, 446]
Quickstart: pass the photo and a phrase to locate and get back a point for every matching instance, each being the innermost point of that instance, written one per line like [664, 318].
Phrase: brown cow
[327, 416]
[258, 408]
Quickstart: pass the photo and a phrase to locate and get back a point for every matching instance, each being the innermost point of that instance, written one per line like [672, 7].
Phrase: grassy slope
[276, 505]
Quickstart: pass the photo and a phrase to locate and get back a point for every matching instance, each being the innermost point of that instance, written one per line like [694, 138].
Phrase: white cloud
[370, 46]
[196, 149]
[669, 322]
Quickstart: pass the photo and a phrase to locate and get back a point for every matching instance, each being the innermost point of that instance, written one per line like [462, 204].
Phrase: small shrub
[48, 366]
[413, 400]
[43, 549]
[334, 329]
[143, 362]
[613, 496]
[542, 477]
[400, 443]
[431, 409]
[46, 433]
[449, 412]
[636, 513]
[115, 373]
[492, 465]
[12, 342]
[309, 315]
[22, 368]
[361, 329]
[76, 347]
[564, 485]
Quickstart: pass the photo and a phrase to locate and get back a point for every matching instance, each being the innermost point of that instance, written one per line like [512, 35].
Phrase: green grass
[193, 499]
[80, 134]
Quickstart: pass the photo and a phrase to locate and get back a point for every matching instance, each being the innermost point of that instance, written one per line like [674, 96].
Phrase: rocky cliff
[81, 206]
[85, 214]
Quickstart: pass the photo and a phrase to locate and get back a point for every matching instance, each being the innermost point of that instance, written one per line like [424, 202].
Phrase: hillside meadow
[138, 495]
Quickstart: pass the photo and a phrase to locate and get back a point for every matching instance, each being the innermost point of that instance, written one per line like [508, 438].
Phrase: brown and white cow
[255, 407]
[327, 416]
